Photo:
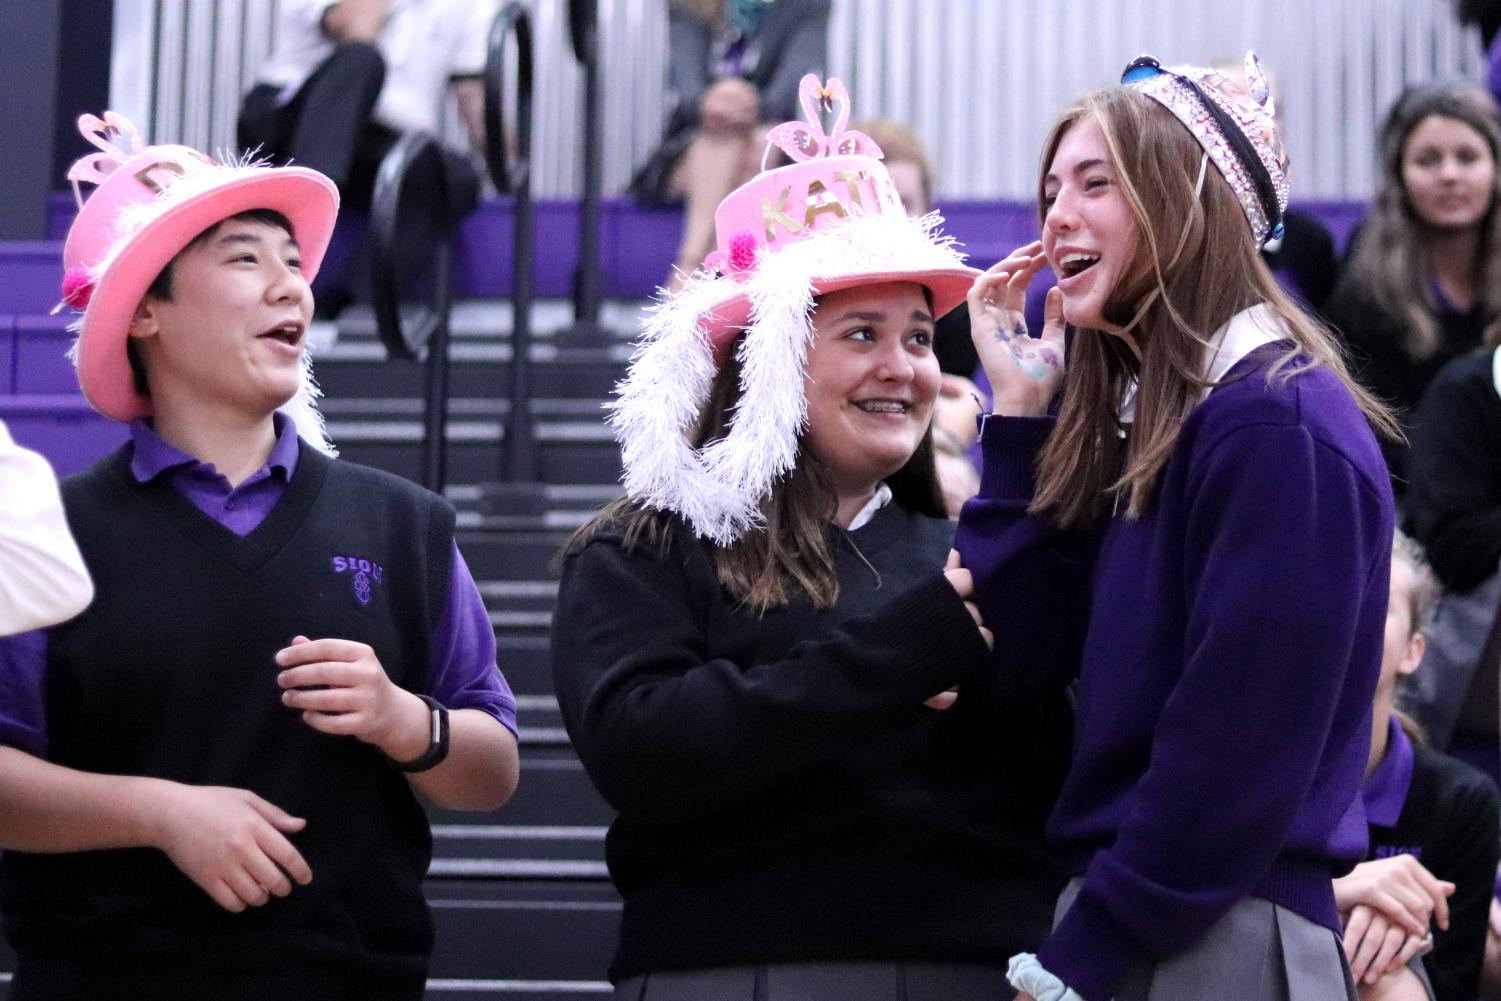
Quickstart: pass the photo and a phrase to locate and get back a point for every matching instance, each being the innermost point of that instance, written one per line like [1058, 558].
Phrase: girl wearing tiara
[1201, 536]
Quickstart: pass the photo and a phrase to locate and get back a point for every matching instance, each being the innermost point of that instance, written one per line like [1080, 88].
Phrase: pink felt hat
[830, 220]
[148, 204]
[837, 179]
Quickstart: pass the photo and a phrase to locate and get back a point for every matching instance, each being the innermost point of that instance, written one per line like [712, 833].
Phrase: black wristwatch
[437, 739]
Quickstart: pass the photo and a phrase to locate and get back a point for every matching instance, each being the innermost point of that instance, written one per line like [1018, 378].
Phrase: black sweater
[1450, 821]
[170, 674]
[1454, 502]
[1375, 341]
[783, 794]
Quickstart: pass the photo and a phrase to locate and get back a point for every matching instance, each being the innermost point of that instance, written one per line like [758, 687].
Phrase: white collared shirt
[425, 44]
[1251, 328]
[878, 500]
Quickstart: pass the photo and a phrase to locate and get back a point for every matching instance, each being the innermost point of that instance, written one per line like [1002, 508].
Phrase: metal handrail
[513, 176]
[583, 18]
[431, 332]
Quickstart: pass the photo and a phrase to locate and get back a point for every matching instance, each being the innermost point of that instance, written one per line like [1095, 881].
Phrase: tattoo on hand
[1035, 359]
[1018, 330]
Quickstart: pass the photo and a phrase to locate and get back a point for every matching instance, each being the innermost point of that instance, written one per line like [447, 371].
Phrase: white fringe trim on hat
[720, 489]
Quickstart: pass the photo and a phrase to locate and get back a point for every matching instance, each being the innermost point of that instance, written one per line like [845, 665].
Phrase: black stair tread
[404, 405]
[473, 462]
[526, 662]
[554, 791]
[512, 555]
[523, 929]
[379, 378]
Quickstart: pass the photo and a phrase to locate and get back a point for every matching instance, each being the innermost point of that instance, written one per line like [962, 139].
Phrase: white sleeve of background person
[472, 40]
[42, 577]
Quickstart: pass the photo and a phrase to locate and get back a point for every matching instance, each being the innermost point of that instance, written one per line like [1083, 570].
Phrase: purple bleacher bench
[637, 245]
[31, 275]
[41, 356]
[7, 354]
[63, 428]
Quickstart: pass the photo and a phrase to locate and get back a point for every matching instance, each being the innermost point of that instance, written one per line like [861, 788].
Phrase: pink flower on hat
[78, 288]
[742, 251]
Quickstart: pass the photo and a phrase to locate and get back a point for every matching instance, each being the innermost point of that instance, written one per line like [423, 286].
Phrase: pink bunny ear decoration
[806, 141]
[101, 132]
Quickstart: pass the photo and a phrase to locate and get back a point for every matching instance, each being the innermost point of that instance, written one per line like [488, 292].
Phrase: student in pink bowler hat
[209, 780]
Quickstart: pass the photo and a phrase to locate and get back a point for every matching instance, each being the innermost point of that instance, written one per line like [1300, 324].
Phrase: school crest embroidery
[366, 575]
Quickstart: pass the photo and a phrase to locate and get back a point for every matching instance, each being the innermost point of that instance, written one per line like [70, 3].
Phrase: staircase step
[500, 843]
[523, 929]
[554, 791]
[526, 661]
[473, 318]
[519, 555]
[474, 455]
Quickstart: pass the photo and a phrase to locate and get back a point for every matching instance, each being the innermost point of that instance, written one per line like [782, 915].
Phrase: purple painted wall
[637, 245]
[63, 428]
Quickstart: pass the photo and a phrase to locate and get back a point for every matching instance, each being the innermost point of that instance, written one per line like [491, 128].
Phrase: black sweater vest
[170, 674]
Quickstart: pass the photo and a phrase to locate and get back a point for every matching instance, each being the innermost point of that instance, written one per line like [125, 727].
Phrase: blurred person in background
[1422, 284]
[733, 70]
[1433, 822]
[348, 77]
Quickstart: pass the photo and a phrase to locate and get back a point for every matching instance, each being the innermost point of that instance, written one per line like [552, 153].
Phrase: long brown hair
[1196, 266]
[791, 552]
[1392, 250]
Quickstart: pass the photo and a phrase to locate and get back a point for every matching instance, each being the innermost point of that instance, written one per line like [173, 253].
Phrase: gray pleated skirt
[822, 982]
[1256, 952]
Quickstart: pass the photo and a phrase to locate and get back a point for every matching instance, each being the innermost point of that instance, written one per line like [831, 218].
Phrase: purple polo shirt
[1385, 789]
[463, 673]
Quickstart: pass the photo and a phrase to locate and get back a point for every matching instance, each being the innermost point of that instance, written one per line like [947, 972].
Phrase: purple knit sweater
[1226, 643]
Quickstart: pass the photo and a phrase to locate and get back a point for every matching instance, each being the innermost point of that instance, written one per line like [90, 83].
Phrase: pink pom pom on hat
[828, 221]
[150, 202]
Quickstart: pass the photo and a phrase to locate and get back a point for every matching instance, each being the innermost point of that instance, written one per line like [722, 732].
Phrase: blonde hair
[1170, 303]
[1423, 597]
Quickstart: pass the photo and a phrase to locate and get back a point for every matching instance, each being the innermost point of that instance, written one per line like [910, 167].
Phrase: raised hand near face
[1024, 371]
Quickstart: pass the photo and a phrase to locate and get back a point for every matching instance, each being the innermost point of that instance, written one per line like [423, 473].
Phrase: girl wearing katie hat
[752, 648]
[1202, 535]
